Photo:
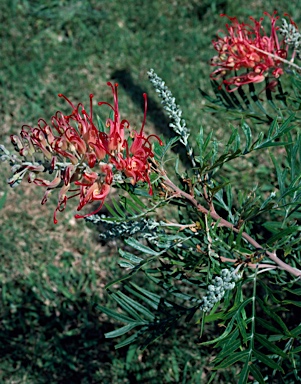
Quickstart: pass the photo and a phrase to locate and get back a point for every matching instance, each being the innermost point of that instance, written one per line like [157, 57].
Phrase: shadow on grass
[61, 342]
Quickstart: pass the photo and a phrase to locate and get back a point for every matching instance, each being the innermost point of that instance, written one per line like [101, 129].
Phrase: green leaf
[161, 151]
[230, 348]
[130, 257]
[239, 236]
[296, 331]
[126, 305]
[223, 336]
[125, 264]
[137, 306]
[277, 338]
[231, 340]
[248, 134]
[268, 144]
[256, 100]
[273, 315]
[128, 206]
[203, 145]
[293, 302]
[143, 193]
[244, 374]
[242, 327]
[149, 298]
[130, 356]
[270, 346]
[267, 361]
[229, 194]
[115, 315]
[278, 172]
[101, 125]
[233, 138]
[273, 127]
[140, 247]
[256, 373]
[267, 325]
[296, 350]
[212, 377]
[137, 201]
[267, 201]
[113, 212]
[210, 317]
[130, 339]
[285, 127]
[272, 226]
[232, 359]
[284, 233]
[245, 99]
[121, 331]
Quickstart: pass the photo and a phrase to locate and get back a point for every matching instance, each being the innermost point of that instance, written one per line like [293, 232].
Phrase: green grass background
[52, 276]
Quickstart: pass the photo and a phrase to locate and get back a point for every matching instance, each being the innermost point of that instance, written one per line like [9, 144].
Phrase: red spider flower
[82, 158]
[69, 148]
[94, 187]
[117, 126]
[250, 49]
[134, 162]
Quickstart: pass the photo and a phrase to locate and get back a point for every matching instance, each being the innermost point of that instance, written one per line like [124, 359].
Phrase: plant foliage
[254, 234]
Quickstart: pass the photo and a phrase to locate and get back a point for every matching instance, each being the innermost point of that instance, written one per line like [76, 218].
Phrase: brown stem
[225, 223]
[278, 58]
[250, 265]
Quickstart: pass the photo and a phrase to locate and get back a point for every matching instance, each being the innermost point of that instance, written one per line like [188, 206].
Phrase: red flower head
[134, 161]
[117, 126]
[83, 159]
[249, 48]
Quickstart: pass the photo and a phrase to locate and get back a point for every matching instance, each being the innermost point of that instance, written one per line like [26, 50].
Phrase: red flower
[133, 163]
[249, 48]
[83, 159]
[116, 135]
[94, 187]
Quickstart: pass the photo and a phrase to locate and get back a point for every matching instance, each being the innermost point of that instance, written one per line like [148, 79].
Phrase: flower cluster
[174, 112]
[216, 291]
[84, 160]
[145, 228]
[169, 104]
[249, 48]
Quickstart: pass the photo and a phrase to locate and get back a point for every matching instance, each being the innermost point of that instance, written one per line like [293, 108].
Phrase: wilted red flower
[248, 47]
[82, 158]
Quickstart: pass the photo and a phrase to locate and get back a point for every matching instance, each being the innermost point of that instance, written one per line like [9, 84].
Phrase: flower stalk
[178, 193]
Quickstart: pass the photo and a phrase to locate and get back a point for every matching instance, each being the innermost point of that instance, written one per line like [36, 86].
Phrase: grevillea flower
[117, 126]
[133, 162]
[82, 158]
[249, 53]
